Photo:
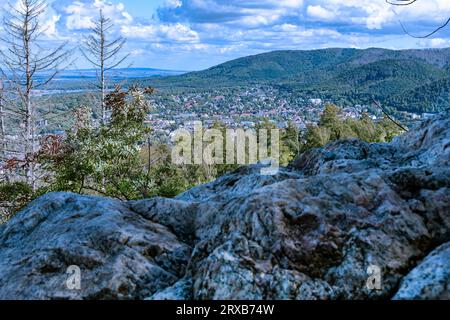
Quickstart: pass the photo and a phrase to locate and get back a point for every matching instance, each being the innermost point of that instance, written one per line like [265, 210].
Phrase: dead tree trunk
[24, 58]
[103, 54]
[3, 143]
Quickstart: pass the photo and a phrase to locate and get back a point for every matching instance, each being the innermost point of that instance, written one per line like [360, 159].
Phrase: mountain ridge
[434, 57]
[384, 74]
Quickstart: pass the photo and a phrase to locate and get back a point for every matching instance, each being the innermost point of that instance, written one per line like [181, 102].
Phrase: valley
[281, 86]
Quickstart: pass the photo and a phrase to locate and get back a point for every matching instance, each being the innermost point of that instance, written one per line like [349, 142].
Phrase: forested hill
[412, 80]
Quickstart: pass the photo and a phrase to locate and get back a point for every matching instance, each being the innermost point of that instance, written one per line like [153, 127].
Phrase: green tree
[332, 120]
[290, 144]
[333, 126]
[107, 160]
[13, 197]
[315, 136]
[388, 130]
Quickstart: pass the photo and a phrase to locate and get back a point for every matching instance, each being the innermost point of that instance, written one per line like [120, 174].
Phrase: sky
[197, 34]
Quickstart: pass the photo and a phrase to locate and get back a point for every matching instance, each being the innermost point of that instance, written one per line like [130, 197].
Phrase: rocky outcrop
[121, 255]
[313, 231]
[430, 279]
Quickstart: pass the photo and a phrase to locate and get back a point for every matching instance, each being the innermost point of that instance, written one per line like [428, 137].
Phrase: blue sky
[196, 34]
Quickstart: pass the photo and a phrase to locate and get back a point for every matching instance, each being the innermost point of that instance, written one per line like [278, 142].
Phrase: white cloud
[49, 26]
[161, 32]
[81, 15]
[137, 52]
[439, 43]
[243, 13]
[320, 12]
[377, 14]
[172, 4]
[224, 29]
[288, 3]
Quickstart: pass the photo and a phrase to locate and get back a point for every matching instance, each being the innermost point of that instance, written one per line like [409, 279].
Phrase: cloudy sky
[196, 34]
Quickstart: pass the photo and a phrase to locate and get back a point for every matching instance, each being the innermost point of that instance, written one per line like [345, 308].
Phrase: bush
[13, 197]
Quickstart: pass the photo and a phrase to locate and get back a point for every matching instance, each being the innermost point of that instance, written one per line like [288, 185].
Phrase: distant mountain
[120, 74]
[83, 78]
[412, 80]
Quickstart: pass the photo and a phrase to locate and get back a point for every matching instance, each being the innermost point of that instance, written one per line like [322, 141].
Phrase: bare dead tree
[410, 2]
[24, 58]
[103, 54]
[3, 144]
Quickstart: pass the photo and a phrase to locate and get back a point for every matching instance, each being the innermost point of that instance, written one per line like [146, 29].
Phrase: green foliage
[13, 197]
[119, 159]
[199, 174]
[333, 126]
[315, 137]
[289, 140]
[165, 178]
[107, 160]
[290, 144]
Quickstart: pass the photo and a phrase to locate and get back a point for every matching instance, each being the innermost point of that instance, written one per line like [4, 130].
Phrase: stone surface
[309, 232]
[121, 255]
[430, 279]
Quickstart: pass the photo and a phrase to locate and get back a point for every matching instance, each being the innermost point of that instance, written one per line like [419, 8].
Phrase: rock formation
[313, 231]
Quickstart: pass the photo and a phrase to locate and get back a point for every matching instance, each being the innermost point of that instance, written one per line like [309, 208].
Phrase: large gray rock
[430, 279]
[121, 255]
[309, 232]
